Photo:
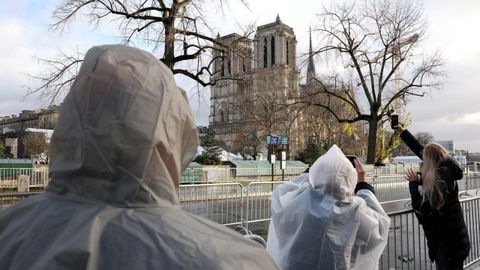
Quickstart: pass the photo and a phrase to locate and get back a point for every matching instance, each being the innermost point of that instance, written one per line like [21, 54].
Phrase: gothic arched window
[287, 52]
[265, 58]
[273, 50]
[222, 63]
[222, 117]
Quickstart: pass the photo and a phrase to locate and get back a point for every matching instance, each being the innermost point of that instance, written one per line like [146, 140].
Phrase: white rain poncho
[318, 223]
[124, 136]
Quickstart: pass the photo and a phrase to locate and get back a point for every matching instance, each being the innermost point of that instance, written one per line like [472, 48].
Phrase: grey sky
[448, 113]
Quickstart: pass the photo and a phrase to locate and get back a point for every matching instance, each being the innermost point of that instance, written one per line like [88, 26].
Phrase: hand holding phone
[358, 167]
[394, 120]
[352, 159]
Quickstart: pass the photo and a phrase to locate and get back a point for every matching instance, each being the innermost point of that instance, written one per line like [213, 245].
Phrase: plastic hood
[125, 131]
[334, 174]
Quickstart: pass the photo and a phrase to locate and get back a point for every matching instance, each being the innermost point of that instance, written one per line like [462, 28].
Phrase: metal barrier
[389, 169]
[471, 212]
[259, 201]
[389, 188]
[16, 178]
[222, 203]
[38, 177]
[407, 247]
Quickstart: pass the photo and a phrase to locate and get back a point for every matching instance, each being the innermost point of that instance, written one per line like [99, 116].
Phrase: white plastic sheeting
[317, 222]
[124, 136]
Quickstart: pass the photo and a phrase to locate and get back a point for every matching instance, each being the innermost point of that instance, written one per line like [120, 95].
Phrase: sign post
[272, 160]
[283, 164]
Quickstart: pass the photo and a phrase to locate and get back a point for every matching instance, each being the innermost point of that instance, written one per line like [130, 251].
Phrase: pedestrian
[434, 193]
[328, 218]
[124, 136]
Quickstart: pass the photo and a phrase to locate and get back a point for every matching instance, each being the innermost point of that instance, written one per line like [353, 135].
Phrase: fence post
[245, 205]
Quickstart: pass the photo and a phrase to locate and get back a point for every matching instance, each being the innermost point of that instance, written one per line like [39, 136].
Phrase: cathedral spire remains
[311, 65]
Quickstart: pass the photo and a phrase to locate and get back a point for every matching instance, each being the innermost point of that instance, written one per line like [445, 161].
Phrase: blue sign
[274, 139]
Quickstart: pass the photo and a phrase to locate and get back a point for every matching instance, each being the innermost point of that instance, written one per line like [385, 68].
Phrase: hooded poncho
[318, 222]
[124, 136]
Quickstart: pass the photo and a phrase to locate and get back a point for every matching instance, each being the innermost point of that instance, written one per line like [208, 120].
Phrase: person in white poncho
[124, 136]
[328, 218]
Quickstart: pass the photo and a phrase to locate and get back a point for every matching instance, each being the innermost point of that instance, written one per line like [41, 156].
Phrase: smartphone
[394, 120]
[351, 158]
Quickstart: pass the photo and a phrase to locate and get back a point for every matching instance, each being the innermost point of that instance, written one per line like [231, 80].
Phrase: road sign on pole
[283, 162]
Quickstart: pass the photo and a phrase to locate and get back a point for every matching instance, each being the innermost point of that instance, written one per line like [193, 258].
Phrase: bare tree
[378, 45]
[422, 137]
[36, 144]
[268, 106]
[176, 29]
[247, 144]
[321, 127]
[2, 148]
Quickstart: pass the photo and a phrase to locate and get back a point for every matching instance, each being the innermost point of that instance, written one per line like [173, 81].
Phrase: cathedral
[256, 81]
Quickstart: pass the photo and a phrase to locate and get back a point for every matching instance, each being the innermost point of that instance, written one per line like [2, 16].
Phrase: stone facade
[248, 73]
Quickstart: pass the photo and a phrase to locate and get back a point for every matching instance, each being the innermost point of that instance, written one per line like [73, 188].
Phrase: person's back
[124, 135]
[317, 223]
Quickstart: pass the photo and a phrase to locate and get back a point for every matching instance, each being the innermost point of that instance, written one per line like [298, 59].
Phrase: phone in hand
[394, 120]
[351, 158]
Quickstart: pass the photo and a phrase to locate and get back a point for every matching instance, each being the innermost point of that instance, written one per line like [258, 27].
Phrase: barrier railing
[38, 177]
[226, 204]
[407, 247]
[22, 179]
[259, 201]
[221, 203]
[389, 188]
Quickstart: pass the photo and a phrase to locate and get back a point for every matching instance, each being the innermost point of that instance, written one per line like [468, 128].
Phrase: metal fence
[407, 247]
[222, 203]
[389, 188]
[232, 204]
[389, 169]
[231, 174]
[259, 201]
[21, 179]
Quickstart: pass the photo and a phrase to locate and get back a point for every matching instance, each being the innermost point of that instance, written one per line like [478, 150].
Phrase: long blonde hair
[433, 155]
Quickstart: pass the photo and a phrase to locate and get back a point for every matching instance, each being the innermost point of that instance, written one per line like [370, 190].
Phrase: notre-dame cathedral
[256, 80]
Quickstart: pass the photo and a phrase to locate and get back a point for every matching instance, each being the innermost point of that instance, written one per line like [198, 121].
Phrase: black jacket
[445, 227]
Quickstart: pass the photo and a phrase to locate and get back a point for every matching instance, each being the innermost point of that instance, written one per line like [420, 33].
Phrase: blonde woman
[434, 193]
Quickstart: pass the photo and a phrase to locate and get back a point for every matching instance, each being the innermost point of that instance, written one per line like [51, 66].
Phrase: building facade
[13, 128]
[256, 79]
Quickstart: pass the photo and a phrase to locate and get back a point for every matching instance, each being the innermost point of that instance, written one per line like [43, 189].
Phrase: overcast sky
[450, 113]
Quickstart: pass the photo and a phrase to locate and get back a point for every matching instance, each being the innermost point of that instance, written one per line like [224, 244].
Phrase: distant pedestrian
[124, 136]
[328, 218]
[434, 193]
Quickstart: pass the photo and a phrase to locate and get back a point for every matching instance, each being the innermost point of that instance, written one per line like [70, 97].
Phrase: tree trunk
[169, 47]
[372, 140]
